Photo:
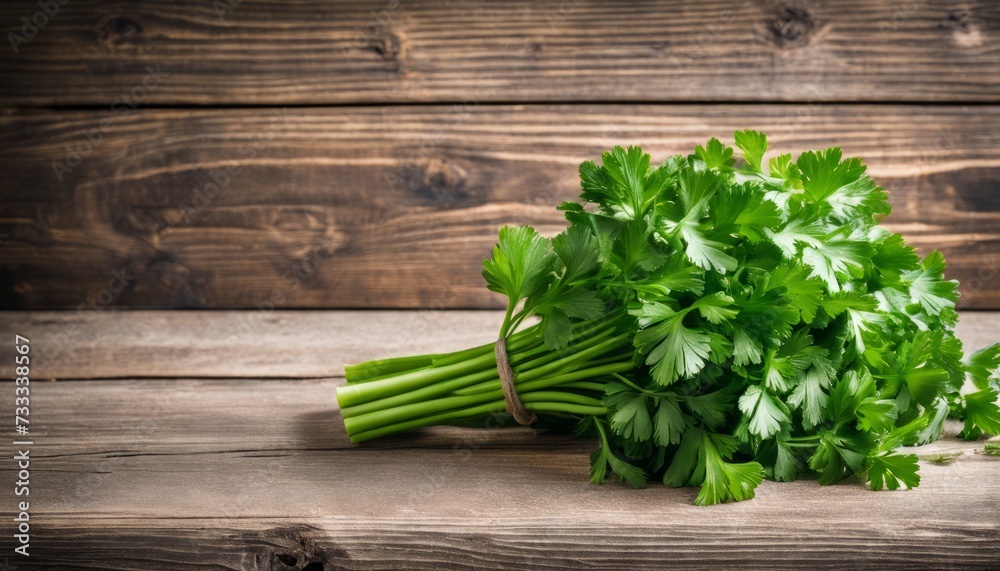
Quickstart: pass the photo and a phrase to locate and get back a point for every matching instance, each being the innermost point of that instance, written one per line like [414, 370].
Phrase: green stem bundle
[392, 395]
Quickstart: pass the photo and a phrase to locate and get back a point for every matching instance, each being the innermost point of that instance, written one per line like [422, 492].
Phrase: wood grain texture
[278, 344]
[274, 344]
[244, 474]
[519, 542]
[396, 207]
[523, 542]
[257, 475]
[232, 416]
[314, 52]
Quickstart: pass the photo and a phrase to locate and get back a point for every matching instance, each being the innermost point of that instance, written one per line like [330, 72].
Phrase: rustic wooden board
[521, 541]
[396, 207]
[314, 52]
[250, 474]
[244, 474]
[275, 344]
[254, 417]
[238, 417]
[280, 344]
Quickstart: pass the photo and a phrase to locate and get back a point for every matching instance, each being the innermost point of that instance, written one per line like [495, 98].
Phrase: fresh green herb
[711, 323]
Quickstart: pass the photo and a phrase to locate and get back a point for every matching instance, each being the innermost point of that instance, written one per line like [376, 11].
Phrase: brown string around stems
[514, 405]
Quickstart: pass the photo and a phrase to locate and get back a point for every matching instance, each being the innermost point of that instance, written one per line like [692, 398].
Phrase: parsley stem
[416, 395]
[385, 367]
[382, 368]
[355, 422]
[461, 377]
[804, 440]
[595, 386]
[549, 359]
[351, 395]
[481, 410]
[801, 444]
[390, 395]
[505, 328]
[532, 392]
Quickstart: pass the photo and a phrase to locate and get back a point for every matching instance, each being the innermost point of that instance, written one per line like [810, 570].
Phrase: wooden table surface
[212, 440]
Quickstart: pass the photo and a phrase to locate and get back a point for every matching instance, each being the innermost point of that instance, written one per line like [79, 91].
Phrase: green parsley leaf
[928, 286]
[669, 423]
[982, 414]
[522, 263]
[628, 412]
[892, 471]
[715, 155]
[754, 145]
[984, 367]
[767, 414]
[823, 172]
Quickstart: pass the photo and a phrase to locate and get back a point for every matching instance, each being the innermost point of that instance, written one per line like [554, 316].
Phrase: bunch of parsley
[713, 323]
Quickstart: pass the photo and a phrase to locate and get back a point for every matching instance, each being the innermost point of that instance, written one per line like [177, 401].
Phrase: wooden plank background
[396, 207]
[247, 474]
[269, 344]
[314, 52]
[363, 154]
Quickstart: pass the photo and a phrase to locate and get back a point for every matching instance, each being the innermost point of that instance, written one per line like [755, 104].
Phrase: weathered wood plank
[396, 207]
[253, 417]
[239, 417]
[277, 344]
[147, 475]
[251, 344]
[270, 52]
[757, 541]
